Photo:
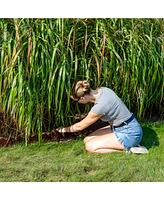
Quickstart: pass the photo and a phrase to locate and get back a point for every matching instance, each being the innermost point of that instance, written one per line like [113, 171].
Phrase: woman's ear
[83, 98]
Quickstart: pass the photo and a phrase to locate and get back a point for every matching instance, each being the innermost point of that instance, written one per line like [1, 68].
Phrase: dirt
[9, 134]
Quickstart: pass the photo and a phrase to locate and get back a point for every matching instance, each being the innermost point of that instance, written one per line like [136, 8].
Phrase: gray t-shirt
[111, 106]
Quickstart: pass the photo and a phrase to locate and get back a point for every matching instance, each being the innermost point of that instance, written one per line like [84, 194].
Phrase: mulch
[9, 134]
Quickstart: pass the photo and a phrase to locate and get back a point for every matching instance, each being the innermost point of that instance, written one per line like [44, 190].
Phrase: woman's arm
[79, 126]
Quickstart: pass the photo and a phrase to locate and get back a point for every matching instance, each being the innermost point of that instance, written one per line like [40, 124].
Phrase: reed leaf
[40, 58]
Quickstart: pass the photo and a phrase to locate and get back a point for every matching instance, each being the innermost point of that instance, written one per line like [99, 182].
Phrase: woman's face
[82, 100]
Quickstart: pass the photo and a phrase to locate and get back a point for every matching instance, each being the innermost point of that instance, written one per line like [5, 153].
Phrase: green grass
[69, 162]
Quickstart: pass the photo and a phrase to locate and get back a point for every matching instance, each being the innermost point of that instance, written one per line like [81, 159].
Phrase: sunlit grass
[69, 162]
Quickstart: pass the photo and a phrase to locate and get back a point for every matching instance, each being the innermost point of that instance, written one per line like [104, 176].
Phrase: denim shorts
[129, 135]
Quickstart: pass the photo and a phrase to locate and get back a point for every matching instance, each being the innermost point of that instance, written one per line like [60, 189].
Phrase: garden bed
[10, 135]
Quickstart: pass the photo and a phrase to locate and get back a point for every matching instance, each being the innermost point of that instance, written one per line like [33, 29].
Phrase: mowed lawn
[69, 162]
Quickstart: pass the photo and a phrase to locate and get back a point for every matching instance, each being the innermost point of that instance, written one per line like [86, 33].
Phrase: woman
[124, 132]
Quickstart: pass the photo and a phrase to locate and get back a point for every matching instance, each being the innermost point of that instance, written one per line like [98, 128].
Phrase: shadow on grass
[150, 137]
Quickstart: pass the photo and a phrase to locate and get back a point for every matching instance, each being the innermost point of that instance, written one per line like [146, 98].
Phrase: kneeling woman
[124, 132]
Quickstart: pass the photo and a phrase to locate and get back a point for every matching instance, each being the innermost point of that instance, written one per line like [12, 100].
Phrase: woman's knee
[89, 147]
[85, 139]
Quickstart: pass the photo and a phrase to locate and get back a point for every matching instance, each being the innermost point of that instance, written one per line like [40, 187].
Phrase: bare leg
[97, 133]
[103, 141]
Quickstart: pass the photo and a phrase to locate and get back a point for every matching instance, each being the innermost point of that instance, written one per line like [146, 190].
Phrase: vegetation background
[40, 58]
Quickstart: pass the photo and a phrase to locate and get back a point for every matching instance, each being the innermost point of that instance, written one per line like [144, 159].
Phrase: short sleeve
[100, 108]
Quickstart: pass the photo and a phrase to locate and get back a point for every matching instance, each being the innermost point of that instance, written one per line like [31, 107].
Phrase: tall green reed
[40, 58]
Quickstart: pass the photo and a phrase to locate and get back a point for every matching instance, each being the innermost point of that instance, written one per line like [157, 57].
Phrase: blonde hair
[80, 88]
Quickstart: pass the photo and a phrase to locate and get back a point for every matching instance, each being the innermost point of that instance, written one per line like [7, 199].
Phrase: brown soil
[9, 134]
